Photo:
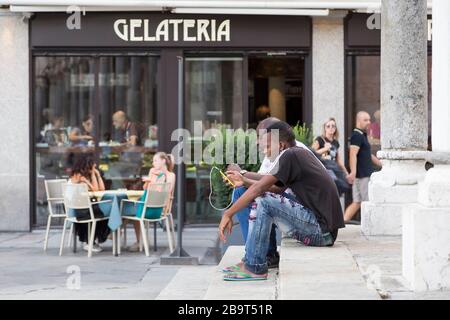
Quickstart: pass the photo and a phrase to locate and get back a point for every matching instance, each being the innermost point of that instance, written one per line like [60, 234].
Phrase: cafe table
[111, 208]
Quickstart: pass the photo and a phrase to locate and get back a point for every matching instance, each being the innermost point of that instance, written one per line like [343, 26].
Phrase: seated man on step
[312, 215]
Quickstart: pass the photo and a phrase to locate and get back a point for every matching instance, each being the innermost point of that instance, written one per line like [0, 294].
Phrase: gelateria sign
[187, 30]
[165, 30]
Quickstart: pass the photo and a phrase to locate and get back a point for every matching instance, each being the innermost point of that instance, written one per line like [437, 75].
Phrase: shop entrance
[238, 90]
[276, 88]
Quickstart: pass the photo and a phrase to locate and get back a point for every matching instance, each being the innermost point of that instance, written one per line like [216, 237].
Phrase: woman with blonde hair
[161, 171]
[327, 144]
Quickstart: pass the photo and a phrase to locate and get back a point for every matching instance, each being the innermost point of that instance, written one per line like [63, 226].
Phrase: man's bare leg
[351, 211]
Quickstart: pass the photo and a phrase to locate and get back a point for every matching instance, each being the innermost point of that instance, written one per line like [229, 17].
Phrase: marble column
[14, 124]
[328, 54]
[426, 225]
[403, 116]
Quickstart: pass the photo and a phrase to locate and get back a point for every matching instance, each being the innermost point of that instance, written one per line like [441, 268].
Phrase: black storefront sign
[364, 31]
[164, 30]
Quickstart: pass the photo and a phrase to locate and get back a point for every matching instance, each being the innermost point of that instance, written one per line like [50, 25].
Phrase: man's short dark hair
[285, 132]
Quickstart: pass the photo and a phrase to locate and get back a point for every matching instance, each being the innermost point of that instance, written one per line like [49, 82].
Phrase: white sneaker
[95, 248]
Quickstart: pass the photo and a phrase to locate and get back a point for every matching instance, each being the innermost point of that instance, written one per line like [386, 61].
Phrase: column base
[395, 186]
[378, 219]
[426, 247]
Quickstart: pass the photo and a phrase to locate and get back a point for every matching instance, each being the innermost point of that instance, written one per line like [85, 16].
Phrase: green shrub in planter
[221, 195]
[303, 134]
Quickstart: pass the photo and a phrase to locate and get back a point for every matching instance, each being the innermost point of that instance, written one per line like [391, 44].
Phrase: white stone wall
[328, 74]
[14, 124]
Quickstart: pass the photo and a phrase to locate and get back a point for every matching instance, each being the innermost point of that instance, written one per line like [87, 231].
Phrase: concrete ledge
[312, 273]
[228, 290]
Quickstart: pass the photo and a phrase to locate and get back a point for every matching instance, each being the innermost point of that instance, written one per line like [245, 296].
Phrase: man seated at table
[128, 134]
[125, 131]
[312, 216]
[84, 171]
[85, 135]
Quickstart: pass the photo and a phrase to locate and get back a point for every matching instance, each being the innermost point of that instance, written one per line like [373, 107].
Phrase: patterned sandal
[244, 276]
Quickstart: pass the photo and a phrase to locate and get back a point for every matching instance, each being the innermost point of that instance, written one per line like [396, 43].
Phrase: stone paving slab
[379, 259]
[228, 290]
[188, 283]
[27, 272]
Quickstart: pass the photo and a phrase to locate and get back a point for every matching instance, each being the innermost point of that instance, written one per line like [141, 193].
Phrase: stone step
[188, 283]
[320, 273]
[240, 290]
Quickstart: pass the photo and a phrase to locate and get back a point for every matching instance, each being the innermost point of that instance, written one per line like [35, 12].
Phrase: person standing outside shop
[327, 144]
[361, 168]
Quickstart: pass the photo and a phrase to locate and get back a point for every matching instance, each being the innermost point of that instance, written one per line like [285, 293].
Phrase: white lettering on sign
[373, 22]
[189, 30]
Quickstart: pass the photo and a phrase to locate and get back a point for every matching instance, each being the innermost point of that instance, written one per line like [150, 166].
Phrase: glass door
[276, 87]
[87, 106]
[213, 99]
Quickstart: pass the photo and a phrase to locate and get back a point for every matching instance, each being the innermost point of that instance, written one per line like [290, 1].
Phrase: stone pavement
[356, 263]
[379, 259]
[27, 272]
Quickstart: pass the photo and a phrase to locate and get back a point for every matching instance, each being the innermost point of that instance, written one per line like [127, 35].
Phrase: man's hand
[233, 167]
[351, 178]
[376, 161]
[225, 227]
[235, 177]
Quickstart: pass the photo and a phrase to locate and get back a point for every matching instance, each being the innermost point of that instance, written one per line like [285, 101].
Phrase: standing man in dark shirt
[361, 159]
[313, 215]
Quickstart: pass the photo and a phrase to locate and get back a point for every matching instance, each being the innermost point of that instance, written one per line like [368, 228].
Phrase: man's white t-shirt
[266, 164]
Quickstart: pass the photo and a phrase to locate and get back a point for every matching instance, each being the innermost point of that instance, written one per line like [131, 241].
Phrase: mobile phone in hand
[226, 178]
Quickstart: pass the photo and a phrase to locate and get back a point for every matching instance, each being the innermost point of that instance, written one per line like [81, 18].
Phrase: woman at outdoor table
[162, 171]
[85, 171]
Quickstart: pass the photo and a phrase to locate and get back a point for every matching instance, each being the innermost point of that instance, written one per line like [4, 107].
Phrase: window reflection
[213, 93]
[104, 106]
[367, 95]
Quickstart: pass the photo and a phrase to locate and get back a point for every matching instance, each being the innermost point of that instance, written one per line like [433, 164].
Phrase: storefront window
[366, 94]
[213, 93]
[91, 106]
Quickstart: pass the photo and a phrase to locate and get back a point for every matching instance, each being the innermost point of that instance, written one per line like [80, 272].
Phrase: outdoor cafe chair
[54, 191]
[158, 196]
[76, 197]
